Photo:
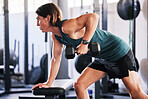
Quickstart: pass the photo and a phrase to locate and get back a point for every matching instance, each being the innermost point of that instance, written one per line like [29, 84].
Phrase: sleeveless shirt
[112, 47]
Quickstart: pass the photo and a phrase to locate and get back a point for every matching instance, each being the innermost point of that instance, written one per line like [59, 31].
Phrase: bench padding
[49, 91]
[59, 87]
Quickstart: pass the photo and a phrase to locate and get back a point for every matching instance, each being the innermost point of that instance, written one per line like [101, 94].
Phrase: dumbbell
[93, 47]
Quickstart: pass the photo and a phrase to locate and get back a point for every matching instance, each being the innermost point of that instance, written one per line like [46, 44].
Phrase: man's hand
[41, 85]
[82, 49]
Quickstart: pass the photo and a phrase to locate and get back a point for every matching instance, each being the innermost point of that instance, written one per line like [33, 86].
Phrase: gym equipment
[37, 74]
[13, 58]
[128, 9]
[7, 79]
[2, 71]
[58, 90]
[113, 86]
[43, 62]
[81, 62]
[137, 64]
[94, 50]
[16, 77]
[13, 62]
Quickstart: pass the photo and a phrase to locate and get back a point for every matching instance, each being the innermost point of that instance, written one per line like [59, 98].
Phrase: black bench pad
[49, 91]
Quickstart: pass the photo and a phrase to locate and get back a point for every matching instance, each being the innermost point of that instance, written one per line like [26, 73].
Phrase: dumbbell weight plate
[94, 49]
[69, 52]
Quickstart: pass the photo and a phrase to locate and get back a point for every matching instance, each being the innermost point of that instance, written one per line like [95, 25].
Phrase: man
[115, 59]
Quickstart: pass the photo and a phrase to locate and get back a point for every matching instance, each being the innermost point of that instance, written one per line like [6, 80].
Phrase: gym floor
[71, 95]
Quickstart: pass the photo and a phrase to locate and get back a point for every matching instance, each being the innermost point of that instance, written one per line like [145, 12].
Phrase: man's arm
[56, 60]
[89, 21]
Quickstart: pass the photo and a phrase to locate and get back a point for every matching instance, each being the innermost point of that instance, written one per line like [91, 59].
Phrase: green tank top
[112, 47]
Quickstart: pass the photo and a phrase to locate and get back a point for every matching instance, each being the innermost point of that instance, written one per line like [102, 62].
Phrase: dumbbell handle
[93, 47]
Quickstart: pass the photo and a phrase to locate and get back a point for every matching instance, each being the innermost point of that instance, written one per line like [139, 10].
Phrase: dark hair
[50, 9]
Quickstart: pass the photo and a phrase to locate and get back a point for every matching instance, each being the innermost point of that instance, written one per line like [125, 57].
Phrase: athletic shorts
[116, 69]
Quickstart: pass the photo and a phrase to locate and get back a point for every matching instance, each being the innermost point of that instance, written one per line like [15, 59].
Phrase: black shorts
[116, 69]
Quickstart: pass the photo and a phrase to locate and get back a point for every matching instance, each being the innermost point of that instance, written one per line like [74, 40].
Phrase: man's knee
[79, 85]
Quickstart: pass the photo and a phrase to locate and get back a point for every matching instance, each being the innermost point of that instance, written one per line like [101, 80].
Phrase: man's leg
[88, 77]
[133, 85]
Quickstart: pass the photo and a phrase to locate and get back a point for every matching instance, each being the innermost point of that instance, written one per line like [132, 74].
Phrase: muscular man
[116, 58]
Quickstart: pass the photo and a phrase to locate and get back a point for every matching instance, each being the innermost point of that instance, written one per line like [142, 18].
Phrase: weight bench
[58, 90]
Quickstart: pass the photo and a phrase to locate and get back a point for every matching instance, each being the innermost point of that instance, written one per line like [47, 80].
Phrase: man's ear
[48, 18]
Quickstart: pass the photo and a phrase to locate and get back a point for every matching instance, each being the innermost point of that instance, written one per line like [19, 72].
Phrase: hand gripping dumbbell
[94, 49]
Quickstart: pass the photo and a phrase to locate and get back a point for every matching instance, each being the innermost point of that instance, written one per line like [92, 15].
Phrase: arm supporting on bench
[58, 88]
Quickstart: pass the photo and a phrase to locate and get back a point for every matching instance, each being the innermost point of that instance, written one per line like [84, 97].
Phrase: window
[17, 6]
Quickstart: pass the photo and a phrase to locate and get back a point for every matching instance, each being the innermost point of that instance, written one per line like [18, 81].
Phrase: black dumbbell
[93, 47]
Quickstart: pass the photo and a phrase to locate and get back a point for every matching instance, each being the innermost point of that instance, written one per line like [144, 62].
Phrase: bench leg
[50, 97]
[62, 96]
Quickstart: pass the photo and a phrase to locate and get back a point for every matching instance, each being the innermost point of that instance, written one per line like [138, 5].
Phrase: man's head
[53, 11]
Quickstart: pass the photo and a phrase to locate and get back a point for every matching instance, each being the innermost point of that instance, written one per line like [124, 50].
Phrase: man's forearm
[55, 64]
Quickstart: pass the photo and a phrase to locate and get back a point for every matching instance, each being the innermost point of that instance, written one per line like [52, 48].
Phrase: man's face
[43, 23]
